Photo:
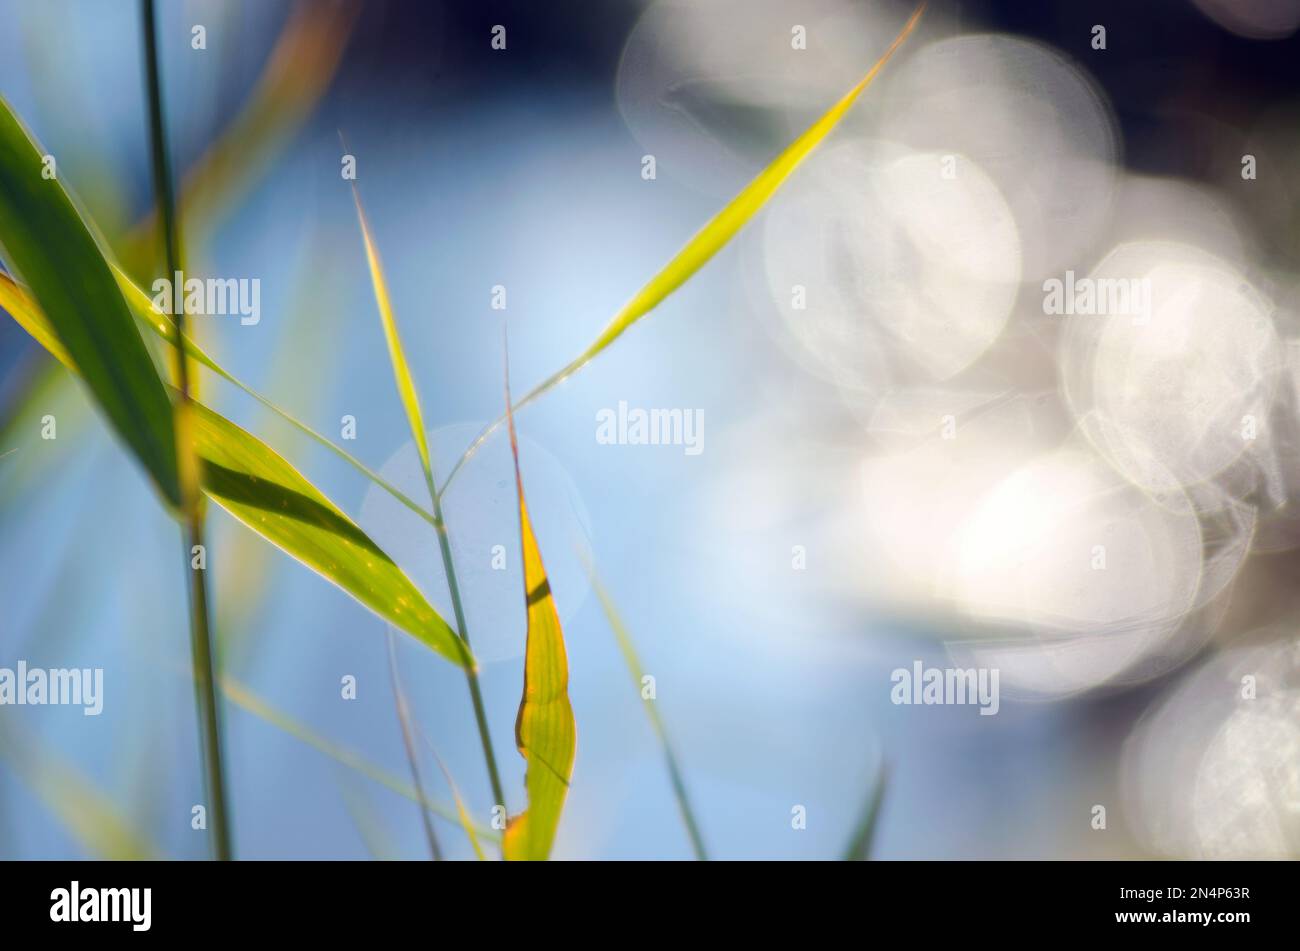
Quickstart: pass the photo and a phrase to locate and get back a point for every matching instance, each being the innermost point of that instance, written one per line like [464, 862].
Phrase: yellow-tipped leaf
[707, 242]
[545, 731]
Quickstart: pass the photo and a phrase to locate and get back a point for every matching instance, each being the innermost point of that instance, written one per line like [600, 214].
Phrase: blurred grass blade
[408, 743]
[859, 849]
[706, 243]
[22, 307]
[366, 818]
[19, 304]
[545, 731]
[244, 698]
[465, 822]
[250, 481]
[48, 243]
[296, 75]
[638, 674]
[93, 819]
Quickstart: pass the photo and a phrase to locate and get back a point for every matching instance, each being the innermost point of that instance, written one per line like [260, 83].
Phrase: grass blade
[411, 403]
[634, 667]
[244, 698]
[261, 489]
[142, 307]
[49, 244]
[465, 822]
[254, 484]
[859, 849]
[706, 243]
[408, 742]
[92, 818]
[297, 73]
[545, 731]
[396, 355]
[20, 305]
[192, 514]
[366, 819]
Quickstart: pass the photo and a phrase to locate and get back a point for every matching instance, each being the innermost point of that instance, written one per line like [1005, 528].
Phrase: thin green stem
[205, 697]
[471, 675]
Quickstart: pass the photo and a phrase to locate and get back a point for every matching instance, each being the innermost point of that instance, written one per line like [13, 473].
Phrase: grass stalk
[408, 741]
[205, 697]
[411, 403]
[471, 674]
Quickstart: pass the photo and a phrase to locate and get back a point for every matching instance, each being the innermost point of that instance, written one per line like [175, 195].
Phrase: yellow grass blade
[81, 807]
[465, 822]
[545, 731]
[706, 243]
[401, 369]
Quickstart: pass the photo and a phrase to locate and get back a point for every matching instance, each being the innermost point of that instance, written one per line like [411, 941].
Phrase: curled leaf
[545, 730]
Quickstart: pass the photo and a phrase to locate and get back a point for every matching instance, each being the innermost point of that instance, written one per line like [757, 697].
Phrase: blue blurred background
[523, 168]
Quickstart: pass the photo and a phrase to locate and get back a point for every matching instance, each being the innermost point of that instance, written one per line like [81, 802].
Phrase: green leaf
[261, 489]
[27, 313]
[254, 484]
[397, 355]
[706, 243]
[545, 730]
[47, 242]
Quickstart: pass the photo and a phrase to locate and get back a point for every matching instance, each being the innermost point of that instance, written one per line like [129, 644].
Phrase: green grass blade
[254, 484]
[411, 403]
[27, 314]
[48, 243]
[545, 730]
[633, 661]
[859, 849]
[396, 355]
[141, 306]
[706, 243]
